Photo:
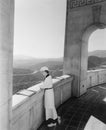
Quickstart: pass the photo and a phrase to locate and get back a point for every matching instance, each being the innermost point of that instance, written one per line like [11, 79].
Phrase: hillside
[26, 69]
[98, 53]
[94, 61]
[26, 65]
[25, 62]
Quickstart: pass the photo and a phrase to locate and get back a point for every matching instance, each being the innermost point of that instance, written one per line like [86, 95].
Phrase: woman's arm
[42, 86]
[47, 83]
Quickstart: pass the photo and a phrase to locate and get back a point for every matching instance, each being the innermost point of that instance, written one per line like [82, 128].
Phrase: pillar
[76, 49]
[6, 62]
[75, 61]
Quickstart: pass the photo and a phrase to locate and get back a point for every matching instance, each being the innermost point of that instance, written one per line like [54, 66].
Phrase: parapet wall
[96, 77]
[28, 109]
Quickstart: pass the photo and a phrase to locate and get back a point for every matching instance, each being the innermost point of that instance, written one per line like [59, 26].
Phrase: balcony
[85, 113]
[28, 110]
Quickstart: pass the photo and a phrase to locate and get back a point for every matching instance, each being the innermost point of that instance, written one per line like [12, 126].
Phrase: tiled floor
[76, 111]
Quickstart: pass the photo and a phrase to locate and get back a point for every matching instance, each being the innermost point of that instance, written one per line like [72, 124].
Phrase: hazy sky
[97, 40]
[40, 29]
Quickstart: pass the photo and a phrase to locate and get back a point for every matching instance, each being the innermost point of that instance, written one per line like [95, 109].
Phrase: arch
[84, 54]
[80, 24]
[90, 29]
[85, 38]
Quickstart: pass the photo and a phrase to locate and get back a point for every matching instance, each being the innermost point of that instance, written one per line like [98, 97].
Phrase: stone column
[76, 50]
[6, 62]
[75, 60]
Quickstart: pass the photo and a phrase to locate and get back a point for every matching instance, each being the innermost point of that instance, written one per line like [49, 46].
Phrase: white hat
[44, 68]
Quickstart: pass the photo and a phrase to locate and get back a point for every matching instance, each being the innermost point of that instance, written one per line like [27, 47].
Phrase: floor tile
[76, 111]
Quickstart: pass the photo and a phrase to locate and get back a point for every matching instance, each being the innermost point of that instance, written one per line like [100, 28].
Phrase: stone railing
[28, 109]
[96, 77]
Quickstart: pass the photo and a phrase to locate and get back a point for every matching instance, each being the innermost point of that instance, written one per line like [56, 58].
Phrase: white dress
[49, 103]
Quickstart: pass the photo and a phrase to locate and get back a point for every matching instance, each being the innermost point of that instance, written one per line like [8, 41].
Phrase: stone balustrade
[96, 77]
[28, 109]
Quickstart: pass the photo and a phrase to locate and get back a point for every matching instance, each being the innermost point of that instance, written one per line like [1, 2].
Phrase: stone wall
[28, 109]
[83, 17]
[96, 77]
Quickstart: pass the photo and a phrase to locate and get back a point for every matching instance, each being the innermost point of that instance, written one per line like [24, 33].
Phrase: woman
[49, 103]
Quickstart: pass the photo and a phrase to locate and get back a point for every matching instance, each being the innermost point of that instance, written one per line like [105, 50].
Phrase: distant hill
[95, 62]
[98, 53]
[26, 65]
[26, 62]
[26, 71]
[96, 59]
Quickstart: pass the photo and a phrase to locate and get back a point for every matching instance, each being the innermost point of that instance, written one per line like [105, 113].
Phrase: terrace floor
[76, 112]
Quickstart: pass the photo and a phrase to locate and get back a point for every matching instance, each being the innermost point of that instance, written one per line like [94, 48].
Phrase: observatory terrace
[76, 113]
[28, 110]
[25, 110]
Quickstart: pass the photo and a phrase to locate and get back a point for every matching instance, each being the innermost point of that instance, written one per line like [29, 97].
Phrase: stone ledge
[97, 70]
[96, 77]
[29, 103]
[23, 95]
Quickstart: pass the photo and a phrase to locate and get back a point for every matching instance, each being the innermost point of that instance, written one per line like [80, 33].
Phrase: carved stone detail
[79, 3]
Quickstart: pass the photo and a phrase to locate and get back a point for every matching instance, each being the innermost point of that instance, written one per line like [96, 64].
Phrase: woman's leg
[54, 112]
[50, 117]
[56, 117]
[48, 113]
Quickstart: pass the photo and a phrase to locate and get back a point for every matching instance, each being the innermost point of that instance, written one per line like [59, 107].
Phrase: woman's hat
[44, 69]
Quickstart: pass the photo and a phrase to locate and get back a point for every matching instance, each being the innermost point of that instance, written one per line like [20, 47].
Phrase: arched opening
[84, 55]
[97, 49]
[85, 42]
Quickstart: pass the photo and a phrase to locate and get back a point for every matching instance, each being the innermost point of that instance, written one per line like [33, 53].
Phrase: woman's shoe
[54, 124]
[59, 120]
[51, 124]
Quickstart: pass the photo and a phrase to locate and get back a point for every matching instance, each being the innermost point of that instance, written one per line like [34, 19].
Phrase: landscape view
[26, 69]
[39, 30]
